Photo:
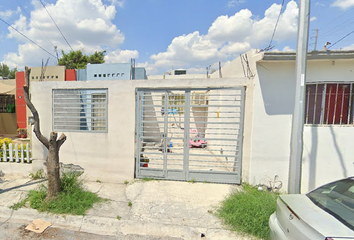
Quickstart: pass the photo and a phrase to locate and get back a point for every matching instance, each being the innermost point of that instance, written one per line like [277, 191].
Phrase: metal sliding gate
[190, 134]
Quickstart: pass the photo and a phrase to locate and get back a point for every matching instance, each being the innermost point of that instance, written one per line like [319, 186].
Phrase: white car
[326, 213]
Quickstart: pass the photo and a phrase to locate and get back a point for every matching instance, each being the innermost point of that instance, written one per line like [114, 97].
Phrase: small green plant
[126, 182]
[99, 181]
[146, 179]
[248, 211]
[72, 198]
[119, 217]
[19, 205]
[38, 175]
[130, 204]
[192, 180]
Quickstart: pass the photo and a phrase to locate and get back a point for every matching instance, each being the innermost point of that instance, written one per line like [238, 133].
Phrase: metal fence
[17, 153]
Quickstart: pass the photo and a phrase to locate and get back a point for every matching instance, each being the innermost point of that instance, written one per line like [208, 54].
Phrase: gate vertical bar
[240, 135]
[187, 113]
[165, 132]
[138, 132]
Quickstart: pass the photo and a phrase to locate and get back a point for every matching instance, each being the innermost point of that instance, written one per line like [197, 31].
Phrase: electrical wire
[27, 37]
[56, 25]
[275, 28]
[20, 5]
[341, 39]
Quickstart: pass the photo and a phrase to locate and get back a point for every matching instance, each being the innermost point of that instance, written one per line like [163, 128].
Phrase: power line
[34, 21]
[275, 28]
[26, 37]
[341, 39]
[56, 25]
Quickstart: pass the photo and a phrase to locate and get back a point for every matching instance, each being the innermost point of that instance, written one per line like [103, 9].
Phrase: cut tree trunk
[53, 145]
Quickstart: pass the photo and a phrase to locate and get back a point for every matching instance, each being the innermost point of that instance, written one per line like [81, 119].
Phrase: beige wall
[109, 156]
[8, 124]
[52, 73]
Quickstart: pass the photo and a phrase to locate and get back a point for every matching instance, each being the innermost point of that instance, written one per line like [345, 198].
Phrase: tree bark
[53, 145]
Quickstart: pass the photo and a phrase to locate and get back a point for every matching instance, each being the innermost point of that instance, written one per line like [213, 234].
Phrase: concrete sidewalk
[165, 209]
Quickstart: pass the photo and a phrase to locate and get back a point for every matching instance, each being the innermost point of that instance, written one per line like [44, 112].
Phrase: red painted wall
[20, 101]
[70, 75]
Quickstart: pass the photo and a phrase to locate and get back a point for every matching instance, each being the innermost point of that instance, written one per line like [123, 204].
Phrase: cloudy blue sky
[159, 34]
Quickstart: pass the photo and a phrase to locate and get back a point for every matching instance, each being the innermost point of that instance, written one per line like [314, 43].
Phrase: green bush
[72, 199]
[248, 211]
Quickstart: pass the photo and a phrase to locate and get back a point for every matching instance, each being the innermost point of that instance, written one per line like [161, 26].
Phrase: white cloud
[227, 37]
[118, 3]
[119, 56]
[312, 19]
[234, 3]
[6, 14]
[344, 4]
[86, 24]
[350, 47]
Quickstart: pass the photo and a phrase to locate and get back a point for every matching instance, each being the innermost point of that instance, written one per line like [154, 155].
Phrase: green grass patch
[248, 211]
[73, 198]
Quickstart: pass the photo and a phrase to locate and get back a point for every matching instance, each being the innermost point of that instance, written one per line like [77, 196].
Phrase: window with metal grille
[329, 103]
[80, 110]
[7, 103]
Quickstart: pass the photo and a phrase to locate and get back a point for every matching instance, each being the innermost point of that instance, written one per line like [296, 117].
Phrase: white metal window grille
[329, 103]
[80, 110]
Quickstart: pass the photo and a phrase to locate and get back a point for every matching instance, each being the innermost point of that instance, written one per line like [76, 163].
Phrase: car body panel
[299, 217]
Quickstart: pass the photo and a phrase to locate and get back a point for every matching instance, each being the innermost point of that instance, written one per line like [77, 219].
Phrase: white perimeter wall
[109, 156]
[328, 150]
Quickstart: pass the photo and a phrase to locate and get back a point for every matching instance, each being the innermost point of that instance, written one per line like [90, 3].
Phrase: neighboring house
[328, 131]
[7, 107]
[111, 71]
[176, 74]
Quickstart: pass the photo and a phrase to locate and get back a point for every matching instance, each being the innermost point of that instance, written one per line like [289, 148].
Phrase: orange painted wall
[70, 75]
[20, 101]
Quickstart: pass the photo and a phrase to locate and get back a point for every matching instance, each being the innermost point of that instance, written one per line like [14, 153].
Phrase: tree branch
[35, 114]
[61, 140]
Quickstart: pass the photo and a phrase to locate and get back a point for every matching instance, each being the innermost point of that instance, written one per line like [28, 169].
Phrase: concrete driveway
[163, 209]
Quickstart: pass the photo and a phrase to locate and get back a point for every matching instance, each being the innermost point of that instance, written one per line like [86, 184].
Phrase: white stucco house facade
[328, 131]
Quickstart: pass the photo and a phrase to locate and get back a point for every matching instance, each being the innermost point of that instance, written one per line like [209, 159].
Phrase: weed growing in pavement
[126, 182]
[248, 211]
[19, 205]
[38, 175]
[119, 217]
[130, 204]
[192, 180]
[72, 199]
[99, 181]
[147, 179]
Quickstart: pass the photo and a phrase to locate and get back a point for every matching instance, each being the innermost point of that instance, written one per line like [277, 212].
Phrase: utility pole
[316, 36]
[296, 142]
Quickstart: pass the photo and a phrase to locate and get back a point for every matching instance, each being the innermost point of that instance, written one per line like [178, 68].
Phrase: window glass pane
[313, 105]
[337, 102]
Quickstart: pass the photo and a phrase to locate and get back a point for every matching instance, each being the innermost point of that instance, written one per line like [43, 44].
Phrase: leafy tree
[13, 73]
[78, 60]
[5, 71]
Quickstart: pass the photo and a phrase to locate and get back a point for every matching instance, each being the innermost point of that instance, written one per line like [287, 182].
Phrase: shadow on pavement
[20, 186]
